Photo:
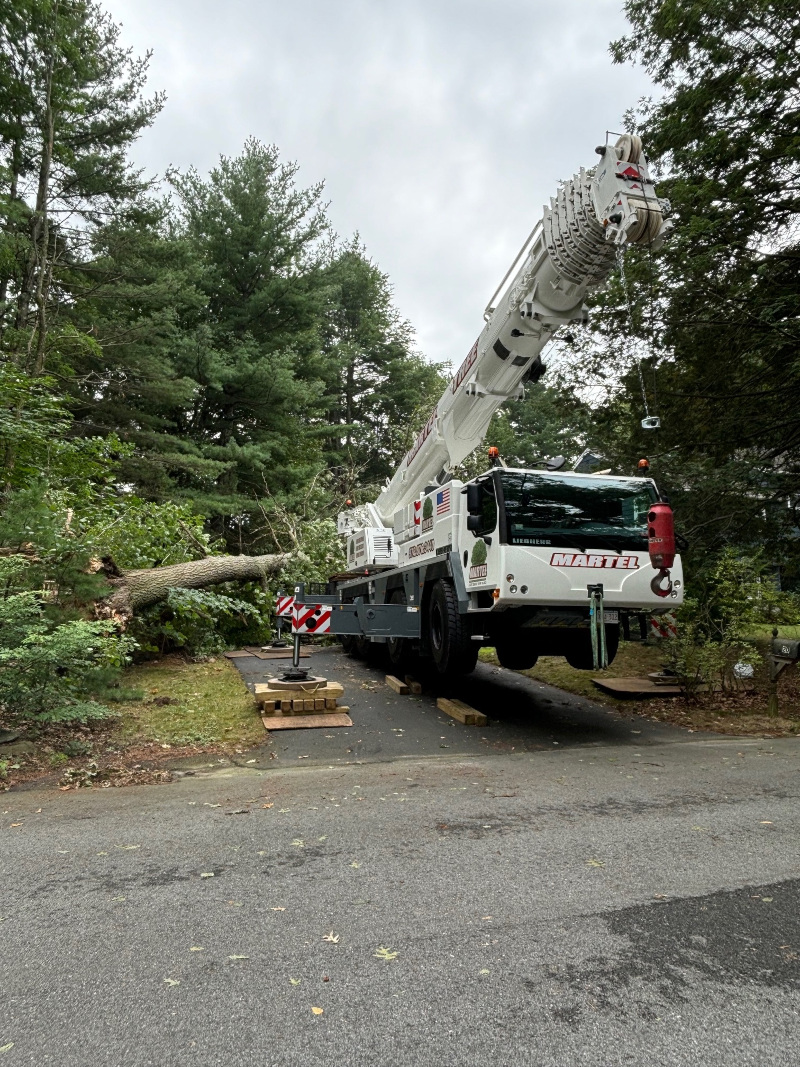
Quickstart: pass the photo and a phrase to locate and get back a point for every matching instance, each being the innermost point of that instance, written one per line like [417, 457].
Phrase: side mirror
[473, 501]
[473, 523]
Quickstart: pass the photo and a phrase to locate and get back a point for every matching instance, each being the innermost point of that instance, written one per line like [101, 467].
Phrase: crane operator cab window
[482, 507]
[573, 511]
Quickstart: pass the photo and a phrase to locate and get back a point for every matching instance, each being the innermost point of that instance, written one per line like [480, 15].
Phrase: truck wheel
[579, 652]
[516, 652]
[452, 651]
[348, 643]
[362, 647]
[398, 648]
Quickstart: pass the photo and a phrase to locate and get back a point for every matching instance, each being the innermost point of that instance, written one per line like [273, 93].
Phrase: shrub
[53, 672]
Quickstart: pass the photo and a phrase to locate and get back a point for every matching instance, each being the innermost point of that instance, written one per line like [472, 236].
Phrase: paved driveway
[615, 899]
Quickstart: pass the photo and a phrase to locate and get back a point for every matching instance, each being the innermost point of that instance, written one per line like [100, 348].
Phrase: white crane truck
[531, 562]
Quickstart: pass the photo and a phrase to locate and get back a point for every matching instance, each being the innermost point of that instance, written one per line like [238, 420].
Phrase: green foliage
[716, 313]
[196, 621]
[732, 595]
[141, 533]
[47, 671]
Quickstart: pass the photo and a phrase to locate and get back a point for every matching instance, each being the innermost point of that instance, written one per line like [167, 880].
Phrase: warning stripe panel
[311, 619]
[284, 605]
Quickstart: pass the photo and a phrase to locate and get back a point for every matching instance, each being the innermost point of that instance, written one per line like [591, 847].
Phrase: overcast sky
[440, 128]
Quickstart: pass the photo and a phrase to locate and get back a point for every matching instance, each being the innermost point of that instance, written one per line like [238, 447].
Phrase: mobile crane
[532, 562]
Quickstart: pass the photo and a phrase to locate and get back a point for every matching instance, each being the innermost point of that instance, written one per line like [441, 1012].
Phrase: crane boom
[570, 251]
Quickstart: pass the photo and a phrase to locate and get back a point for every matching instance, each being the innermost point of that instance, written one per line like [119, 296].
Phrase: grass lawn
[208, 705]
[741, 712]
[186, 709]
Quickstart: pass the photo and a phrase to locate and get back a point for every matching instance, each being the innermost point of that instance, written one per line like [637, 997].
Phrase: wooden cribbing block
[331, 691]
[414, 686]
[461, 711]
[396, 684]
[297, 722]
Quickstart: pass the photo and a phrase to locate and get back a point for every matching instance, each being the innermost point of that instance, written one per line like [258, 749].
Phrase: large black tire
[348, 643]
[516, 651]
[452, 651]
[578, 653]
[362, 647]
[398, 649]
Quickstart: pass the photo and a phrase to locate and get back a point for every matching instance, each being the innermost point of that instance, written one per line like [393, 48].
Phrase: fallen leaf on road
[282, 811]
[7, 1048]
[295, 981]
[172, 981]
[238, 957]
[268, 805]
[207, 805]
[332, 937]
[323, 838]
[127, 848]
[235, 903]
[197, 948]
[251, 761]
[318, 1011]
[699, 827]
[206, 874]
[595, 863]
[385, 954]
[14, 824]
[118, 898]
[486, 917]
[767, 900]
[355, 864]
[765, 822]
[299, 842]
[278, 909]
[484, 971]
[302, 757]
[102, 853]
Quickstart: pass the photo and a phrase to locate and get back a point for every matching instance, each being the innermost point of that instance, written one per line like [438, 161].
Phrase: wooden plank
[330, 689]
[397, 685]
[462, 712]
[330, 702]
[413, 685]
[299, 722]
[636, 688]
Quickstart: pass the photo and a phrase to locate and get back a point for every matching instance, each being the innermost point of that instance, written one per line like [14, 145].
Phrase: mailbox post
[783, 653]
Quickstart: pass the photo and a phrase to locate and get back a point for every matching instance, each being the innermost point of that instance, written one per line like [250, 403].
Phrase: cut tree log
[133, 590]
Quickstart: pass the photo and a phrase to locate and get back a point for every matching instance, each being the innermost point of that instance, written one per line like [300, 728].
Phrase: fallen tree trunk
[134, 590]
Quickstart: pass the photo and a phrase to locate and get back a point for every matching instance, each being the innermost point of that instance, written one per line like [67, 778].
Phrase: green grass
[764, 632]
[632, 660]
[214, 705]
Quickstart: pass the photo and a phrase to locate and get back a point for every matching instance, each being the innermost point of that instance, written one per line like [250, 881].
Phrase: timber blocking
[311, 703]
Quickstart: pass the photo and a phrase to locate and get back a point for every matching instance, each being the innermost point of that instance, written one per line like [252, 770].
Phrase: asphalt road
[616, 898]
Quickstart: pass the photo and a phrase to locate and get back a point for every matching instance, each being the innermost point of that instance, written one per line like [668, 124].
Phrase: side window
[488, 509]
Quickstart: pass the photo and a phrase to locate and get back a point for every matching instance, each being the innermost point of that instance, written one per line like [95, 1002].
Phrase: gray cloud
[439, 128]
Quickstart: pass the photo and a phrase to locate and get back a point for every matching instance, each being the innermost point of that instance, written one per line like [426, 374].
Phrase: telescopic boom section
[572, 250]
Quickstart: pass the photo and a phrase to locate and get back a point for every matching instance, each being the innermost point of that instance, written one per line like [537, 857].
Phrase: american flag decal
[443, 502]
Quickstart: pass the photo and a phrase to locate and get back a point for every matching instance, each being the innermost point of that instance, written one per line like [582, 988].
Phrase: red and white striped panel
[284, 605]
[311, 619]
[663, 626]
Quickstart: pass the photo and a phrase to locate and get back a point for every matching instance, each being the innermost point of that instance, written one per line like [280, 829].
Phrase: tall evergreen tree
[715, 316]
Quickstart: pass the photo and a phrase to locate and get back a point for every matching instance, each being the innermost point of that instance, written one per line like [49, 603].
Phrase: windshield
[545, 509]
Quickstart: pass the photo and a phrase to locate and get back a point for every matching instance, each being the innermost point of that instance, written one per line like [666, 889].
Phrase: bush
[53, 672]
[716, 625]
[199, 622]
